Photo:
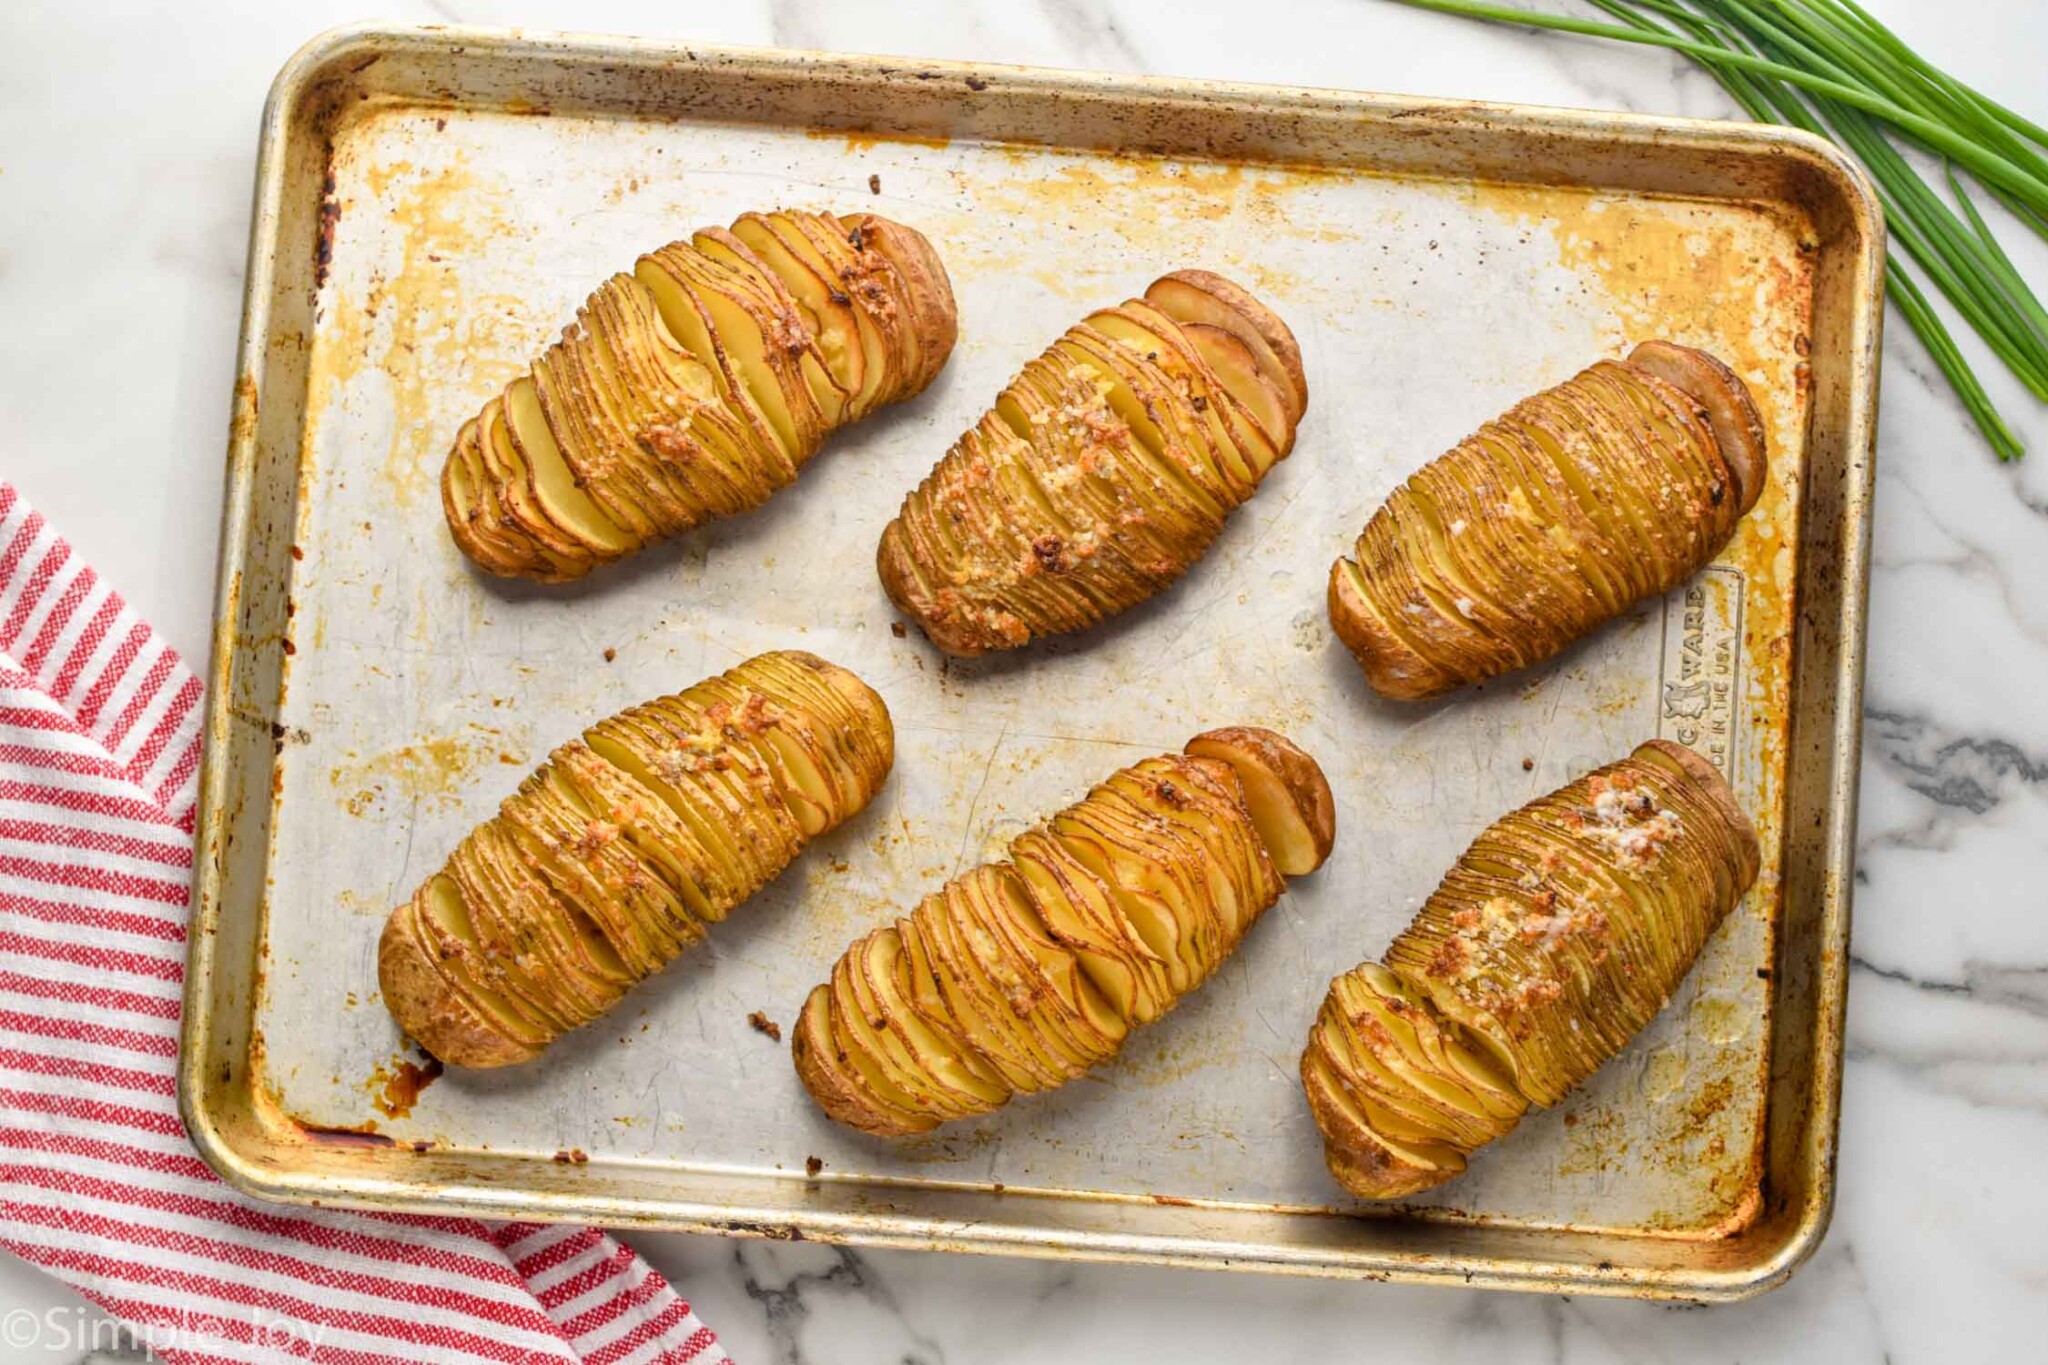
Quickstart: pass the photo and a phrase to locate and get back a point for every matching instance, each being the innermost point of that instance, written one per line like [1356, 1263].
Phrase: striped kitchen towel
[99, 757]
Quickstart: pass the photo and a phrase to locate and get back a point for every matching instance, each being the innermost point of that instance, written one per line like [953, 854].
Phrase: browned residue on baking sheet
[1660, 274]
[430, 770]
[247, 411]
[858, 143]
[1740, 286]
[1162, 1056]
[395, 1086]
[1185, 202]
[363, 1135]
[416, 327]
[435, 329]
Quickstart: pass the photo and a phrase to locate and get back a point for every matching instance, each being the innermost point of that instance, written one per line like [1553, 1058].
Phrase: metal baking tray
[431, 204]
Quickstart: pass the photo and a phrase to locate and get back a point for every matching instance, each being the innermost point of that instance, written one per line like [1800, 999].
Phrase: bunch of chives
[1830, 68]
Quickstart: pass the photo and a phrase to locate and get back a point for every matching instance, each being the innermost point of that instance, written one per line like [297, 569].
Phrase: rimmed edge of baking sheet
[262, 1152]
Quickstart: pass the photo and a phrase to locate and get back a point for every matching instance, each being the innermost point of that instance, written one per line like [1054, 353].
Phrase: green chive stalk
[1829, 67]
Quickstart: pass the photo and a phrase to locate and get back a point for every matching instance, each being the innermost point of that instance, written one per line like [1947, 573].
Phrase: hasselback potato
[1103, 471]
[694, 387]
[1022, 974]
[614, 855]
[1558, 935]
[1614, 486]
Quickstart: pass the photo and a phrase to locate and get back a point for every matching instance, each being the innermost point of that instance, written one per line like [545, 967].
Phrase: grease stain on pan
[435, 328]
[1155, 1055]
[355, 903]
[417, 324]
[268, 1110]
[340, 344]
[835, 912]
[1266, 196]
[951, 1145]
[859, 144]
[1192, 213]
[429, 770]
[1664, 1073]
[1721, 1019]
[1741, 286]
[395, 1085]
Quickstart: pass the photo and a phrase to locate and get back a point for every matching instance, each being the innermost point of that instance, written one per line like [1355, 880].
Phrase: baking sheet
[456, 238]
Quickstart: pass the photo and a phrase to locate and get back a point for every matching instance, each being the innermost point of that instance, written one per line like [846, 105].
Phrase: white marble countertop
[127, 139]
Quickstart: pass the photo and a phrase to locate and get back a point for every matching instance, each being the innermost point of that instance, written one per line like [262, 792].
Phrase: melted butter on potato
[695, 387]
[1558, 935]
[1020, 975]
[618, 852]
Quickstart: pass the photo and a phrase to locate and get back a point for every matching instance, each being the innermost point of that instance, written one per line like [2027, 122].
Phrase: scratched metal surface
[420, 692]
[432, 204]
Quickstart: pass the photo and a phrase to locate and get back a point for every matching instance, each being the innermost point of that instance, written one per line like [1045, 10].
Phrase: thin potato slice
[405, 955]
[1237, 444]
[1235, 365]
[1727, 402]
[935, 1052]
[1082, 911]
[555, 488]
[795, 346]
[1286, 793]
[1201, 296]
[829, 310]
[512, 482]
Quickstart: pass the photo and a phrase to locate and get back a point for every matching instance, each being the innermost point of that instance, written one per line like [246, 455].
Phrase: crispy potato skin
[1579, 502]
[1270, 329]
[899, 268]
[1102, 473]
[1020, 975]
[1558, 935]
[695, 387]
[1297, 775]
[616, 853]
[1726, 402]
[415, 990]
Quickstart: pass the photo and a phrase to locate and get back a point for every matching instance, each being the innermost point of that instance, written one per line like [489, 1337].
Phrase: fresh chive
[1933, 333]
[1829, 67]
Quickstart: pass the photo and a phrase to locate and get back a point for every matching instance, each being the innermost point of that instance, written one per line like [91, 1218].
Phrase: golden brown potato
[1103, 471]
[695, 387]
[1614, 486]
[1558, 935]
[1020, 975]
[617, 852]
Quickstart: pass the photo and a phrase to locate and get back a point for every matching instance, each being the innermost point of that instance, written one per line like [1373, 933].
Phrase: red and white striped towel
[99, 756]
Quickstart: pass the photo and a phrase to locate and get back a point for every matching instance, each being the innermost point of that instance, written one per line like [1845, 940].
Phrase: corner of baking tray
[1809, 1228]
[341, 46]
[210, 1137]
[1850, 180]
